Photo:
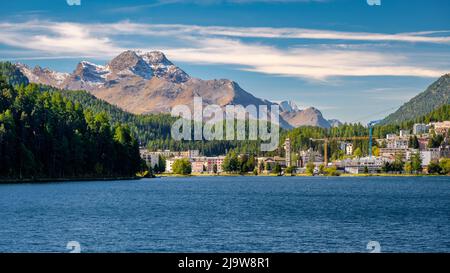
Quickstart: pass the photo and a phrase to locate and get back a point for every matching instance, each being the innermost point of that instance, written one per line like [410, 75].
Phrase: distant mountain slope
[12, 74]
[311, 116]
[435, 96]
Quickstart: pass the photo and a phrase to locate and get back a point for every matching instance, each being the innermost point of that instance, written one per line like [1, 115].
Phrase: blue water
[228, 214]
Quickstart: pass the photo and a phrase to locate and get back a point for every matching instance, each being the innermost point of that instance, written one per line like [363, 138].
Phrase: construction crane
[370, 126]
[326, 140]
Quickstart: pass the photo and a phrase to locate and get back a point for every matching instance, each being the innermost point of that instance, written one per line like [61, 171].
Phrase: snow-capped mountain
[147, 82]
[143, 83]
[43, 75]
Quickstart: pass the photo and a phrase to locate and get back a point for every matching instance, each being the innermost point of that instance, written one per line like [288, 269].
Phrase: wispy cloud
[224, 45]
[436, 37]
[134, 8]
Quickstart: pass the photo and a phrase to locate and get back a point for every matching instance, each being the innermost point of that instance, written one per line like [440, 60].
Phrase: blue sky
[353, 61]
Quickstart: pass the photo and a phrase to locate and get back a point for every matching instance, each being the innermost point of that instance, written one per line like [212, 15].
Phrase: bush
[310, 168]
[182, 166]
[434, 168]
[331, 171]
[445, 165]
[289, 170]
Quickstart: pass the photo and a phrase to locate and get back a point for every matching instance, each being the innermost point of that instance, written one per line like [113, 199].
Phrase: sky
[353, 61]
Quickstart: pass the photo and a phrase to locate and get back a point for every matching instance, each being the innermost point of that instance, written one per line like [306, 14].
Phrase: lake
[229, 214]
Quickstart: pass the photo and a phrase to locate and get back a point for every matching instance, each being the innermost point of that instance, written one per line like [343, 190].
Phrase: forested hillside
[433, 97]
[44, 135]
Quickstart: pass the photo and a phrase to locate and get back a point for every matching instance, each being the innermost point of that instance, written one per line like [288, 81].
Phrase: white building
[391, 136]
[404, 133]
[152, 159]
[354, 166]
[169, 164]
[397, 143]
[430, 155]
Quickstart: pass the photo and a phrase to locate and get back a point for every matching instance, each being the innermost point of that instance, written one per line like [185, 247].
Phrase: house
[266, 163]
[280, 161]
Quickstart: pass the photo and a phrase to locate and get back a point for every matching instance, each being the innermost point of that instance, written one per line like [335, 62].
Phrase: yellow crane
[326, 140]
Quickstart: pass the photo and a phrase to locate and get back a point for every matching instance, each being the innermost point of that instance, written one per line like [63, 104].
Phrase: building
[198, 165]
[169, 164]
[391, 136]
[190, 154]
[310, 156]
[150, 158]
[441, 128]
[397, 142]
[184, 154]
[360, 165]
[217, 161]
[392, 153]
[404, 133]
[349, 149]
[420, 128]
[280, 161]
[265, 164]
[430, 155]
[287, 148]
[423, 142]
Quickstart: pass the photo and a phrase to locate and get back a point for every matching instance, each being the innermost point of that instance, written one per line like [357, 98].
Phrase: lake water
[229, 214]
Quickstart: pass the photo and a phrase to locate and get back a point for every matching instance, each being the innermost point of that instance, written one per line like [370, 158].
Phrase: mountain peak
[288, 106]
[155, 57]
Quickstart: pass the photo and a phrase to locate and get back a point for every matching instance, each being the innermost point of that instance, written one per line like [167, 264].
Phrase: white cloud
[127, 9]
[221, 45]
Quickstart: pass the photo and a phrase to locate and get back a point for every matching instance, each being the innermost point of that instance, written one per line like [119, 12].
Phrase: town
[424, 150]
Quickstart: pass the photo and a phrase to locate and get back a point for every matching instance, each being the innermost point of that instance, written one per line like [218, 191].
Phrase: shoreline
[298, 175]
[96, 179]
[60, 180]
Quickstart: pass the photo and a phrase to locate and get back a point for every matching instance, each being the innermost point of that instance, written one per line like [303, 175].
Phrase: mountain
[147, 82]
[143, 83]
[436, 95]
[292, 114]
